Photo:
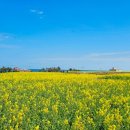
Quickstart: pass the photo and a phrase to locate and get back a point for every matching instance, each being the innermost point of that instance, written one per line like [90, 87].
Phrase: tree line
[7, 69]
[50, 69]
[56, 69]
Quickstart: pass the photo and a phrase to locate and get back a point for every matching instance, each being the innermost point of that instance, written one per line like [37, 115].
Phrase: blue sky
[83, 34]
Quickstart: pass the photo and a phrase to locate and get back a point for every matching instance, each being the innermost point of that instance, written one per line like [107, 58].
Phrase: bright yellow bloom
[66, 122]
[55, 108]
[45, 110]
[112, 127]
[37, 127]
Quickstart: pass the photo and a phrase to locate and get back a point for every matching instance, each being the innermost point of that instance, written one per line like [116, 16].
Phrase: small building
[20, 70]
[113, 69]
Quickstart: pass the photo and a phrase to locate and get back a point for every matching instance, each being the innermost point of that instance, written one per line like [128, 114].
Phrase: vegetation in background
[51, 69]
[57, 69]
[7, 69]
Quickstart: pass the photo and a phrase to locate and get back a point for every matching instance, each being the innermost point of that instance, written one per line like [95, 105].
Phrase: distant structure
[113, 69]
[20, 70]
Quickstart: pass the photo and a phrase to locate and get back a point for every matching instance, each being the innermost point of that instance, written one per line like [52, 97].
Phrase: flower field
[62, 101]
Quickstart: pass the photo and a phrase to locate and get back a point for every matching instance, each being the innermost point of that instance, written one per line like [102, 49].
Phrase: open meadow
[63, 101]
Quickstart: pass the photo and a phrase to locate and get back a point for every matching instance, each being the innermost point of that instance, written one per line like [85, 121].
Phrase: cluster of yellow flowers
[63, 101]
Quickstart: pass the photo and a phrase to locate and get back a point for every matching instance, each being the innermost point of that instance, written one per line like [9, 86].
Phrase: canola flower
[61, 101]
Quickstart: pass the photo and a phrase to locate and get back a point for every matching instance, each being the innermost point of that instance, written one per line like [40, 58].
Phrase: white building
[115, 70]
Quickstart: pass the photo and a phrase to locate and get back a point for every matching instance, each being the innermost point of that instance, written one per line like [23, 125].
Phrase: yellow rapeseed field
[62, 101]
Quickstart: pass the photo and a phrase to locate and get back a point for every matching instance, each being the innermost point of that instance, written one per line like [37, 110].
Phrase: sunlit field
[63, 101]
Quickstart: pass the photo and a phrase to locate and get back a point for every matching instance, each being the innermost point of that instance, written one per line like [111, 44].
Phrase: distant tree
[58, 68]
[42, 70]
[2, 70]
[70, 69]
[9, 69]
[73, 69]
[5, 69]
[51, 69]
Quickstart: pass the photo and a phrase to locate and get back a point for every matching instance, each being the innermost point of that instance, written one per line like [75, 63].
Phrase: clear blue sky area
[83, 34]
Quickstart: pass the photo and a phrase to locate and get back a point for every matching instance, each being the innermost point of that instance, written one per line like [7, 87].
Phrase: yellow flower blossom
[45, 110]
[112, 127]
[66, 122]
[55, 108]
[37, 127]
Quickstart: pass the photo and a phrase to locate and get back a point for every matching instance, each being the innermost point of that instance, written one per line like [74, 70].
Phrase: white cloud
[109, 54]
[5, 36]
[7, 46]
[33, 10]
[40, 12]
[99, 61]
[123, 56]
[37, 12]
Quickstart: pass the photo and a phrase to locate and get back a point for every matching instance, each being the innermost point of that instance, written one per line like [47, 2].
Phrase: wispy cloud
[123, 56]
[7, 46]
[5, 36]
[39, 13]
[109, 54]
